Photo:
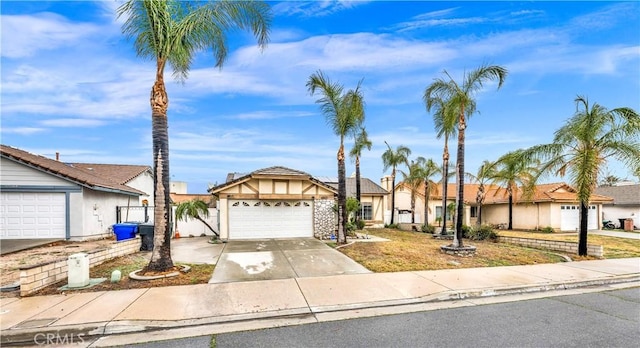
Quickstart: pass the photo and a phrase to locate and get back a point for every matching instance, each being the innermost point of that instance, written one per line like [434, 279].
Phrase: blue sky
[71, 83]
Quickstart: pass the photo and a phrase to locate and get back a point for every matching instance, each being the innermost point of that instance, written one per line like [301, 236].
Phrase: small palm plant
[195, 209]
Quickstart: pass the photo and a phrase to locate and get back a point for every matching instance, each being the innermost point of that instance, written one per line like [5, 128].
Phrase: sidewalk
[145, 310]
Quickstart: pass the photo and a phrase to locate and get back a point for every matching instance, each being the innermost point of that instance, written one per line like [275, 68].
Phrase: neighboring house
[403, 202]
[372, 198]
[552, 205]
[193, 227]
[46, 198]
[625, 204]
[275, 202]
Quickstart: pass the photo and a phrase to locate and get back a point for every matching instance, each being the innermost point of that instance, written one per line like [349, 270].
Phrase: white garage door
[32, 215]
[570, 218]
[256, 219]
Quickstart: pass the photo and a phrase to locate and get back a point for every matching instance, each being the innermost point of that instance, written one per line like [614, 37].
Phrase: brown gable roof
[66, 171]
[120, 173]
[275, 171]
[622, 195]
[554, 192]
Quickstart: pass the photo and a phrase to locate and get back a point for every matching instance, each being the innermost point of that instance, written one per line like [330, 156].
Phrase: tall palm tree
[482, 177]
[344, 112]
[361, 142]
[428, 168]
[582, 146]
[511, 172]
[392, 159]
[172, 32]
[444, 120]
[461, 98]
[413, 178]
[194, 209]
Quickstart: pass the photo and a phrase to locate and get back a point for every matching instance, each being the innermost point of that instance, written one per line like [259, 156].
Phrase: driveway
[8, 246]
[280, 259]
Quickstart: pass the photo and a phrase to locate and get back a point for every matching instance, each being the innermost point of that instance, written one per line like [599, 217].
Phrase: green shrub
[426, 228]
[547, 229]
[466, 231]
[392, 226]
[351, 228]
[483, 232]
[360, 224]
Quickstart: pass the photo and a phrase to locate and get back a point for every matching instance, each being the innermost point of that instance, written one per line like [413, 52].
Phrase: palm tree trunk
[510, 227]
[445, 176]
[480, 214]
[426, 204]
[359, 211]
[161, 254]
[393, 192]
[208, 226]
[342, 199]
[413, 206]
[460, 181]
[584, 220]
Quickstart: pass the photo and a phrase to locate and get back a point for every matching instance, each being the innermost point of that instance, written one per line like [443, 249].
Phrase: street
[599, 319]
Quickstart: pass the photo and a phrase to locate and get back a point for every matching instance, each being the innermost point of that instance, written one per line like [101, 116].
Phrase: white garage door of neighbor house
[30, 215]
[256, 219]
[570, 218]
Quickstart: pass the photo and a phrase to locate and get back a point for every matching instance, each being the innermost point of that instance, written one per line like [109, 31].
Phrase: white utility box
[78, 274]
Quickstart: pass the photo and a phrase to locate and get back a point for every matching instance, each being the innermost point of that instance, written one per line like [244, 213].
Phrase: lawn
[413, 251]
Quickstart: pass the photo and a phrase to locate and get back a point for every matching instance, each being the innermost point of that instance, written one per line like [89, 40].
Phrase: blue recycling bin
[125, 231]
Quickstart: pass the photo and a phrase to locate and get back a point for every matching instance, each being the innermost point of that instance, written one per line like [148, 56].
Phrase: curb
[18, 337]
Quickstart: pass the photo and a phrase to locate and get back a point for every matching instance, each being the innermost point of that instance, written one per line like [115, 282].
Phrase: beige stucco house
[275, 202]
[625, 203]
[372, 198]
[552, 205]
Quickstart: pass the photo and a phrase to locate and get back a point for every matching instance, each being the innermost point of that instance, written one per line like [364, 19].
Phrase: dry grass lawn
[413, 251]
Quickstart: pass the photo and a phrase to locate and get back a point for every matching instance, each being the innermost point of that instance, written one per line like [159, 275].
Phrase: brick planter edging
[36, 277]
[555, 245]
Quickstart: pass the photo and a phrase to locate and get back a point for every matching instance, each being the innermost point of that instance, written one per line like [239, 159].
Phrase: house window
[439, 212]
[367, 211]
[474, 212]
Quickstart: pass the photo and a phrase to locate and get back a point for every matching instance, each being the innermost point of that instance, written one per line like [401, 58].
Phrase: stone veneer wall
[556, 245]
[36, 277]
[324, 218]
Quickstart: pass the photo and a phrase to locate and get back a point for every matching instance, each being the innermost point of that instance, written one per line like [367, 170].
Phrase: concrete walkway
[619, 234]
[285, 301]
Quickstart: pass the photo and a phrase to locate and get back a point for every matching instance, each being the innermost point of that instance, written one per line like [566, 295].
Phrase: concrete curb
[98, 329]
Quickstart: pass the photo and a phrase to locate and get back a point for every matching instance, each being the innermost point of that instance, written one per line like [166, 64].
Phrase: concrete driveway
[280, 259]
[12, 245]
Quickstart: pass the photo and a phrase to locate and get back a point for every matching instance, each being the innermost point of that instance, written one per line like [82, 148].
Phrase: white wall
[98, 212]
[13, 173]
[614, 213]
[144, 183]
[196, 228]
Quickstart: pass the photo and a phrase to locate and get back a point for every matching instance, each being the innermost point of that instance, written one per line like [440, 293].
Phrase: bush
[466, 231]
[392, 226]
[483, 232]
[426, 228]
[547, 229]
[351, 229]
[360, 224]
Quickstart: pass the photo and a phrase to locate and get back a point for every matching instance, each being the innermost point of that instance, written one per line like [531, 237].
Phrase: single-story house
[552, 205]
[275, 202]
[45, 198]
[372, 198]
[625, 203]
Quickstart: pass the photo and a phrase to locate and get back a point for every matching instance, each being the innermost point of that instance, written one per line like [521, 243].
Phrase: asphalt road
[601, 319]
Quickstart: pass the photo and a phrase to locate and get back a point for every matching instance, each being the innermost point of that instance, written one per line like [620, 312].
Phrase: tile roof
[554, 192]
[80, 176]
[622, 195]
[178, 198]
[120, 173]
[367, 187]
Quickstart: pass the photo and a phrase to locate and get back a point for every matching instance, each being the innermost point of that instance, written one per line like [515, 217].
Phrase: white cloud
[22, 130]
[317, 8]
[25, 35]
[73, 122]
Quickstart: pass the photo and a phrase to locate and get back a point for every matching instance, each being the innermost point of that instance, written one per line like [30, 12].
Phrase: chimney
[57, 156]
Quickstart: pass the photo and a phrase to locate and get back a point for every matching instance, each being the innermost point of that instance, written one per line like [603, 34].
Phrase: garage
[32, 215]
[570, 218]
[258, 219]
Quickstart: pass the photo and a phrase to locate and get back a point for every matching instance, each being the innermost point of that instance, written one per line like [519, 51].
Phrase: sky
[72, 83]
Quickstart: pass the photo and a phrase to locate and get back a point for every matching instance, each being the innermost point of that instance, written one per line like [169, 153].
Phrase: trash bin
[146, 234]
[125, 231]
[622, 223]
[628, 224]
